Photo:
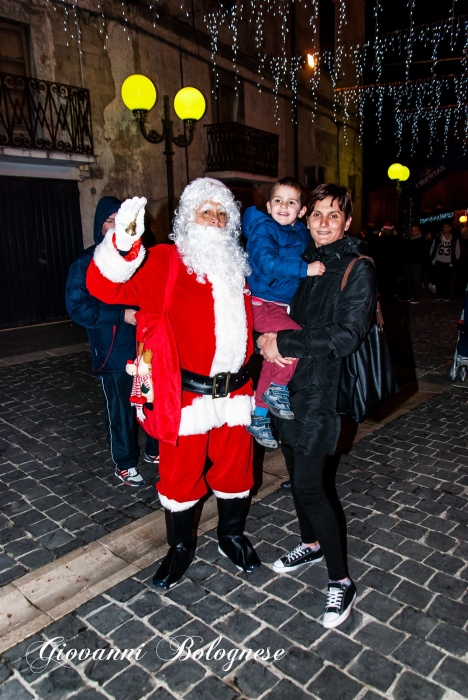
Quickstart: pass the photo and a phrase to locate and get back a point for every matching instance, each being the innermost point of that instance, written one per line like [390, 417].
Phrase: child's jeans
[271, 317]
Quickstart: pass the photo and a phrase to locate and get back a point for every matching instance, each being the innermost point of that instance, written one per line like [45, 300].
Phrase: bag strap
[350, 267]
[379, 317]
[173, 270]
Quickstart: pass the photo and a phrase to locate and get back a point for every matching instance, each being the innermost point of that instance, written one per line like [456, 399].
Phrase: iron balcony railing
[37, 114]
[233, 146]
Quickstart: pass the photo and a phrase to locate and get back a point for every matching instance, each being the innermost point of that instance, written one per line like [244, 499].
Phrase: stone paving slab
[404, 490]
[57, 489]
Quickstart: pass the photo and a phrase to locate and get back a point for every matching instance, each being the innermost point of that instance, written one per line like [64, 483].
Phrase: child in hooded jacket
[275, 243]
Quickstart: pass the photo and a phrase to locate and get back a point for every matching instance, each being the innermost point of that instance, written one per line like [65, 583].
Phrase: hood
[105, 207]
[339, 249]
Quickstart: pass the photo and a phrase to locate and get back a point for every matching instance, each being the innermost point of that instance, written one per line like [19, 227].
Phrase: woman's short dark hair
[336, 193]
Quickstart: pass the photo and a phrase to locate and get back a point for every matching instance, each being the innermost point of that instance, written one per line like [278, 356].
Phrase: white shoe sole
[287, 569]
[281, 414]
[128, 483]
[341, 618]
[264, 443]
[225, 555]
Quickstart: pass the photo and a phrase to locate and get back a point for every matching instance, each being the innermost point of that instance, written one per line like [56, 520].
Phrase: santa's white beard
[210, 251]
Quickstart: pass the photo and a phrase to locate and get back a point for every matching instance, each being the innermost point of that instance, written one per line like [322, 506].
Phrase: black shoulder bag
[367, 380]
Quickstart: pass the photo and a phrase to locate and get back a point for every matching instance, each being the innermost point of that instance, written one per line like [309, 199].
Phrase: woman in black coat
[334, 324]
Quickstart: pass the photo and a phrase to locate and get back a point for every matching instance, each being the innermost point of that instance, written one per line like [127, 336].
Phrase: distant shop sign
[438, 217]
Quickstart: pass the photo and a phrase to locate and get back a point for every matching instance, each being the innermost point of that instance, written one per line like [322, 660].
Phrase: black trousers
[122, 427]
[317, 517]
[413, 281]
[442, 279]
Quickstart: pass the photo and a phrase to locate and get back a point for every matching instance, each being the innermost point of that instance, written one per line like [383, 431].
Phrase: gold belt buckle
[214, 393]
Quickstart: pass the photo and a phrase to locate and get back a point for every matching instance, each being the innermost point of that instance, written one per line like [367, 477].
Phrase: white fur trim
[227, 496]
[206, 413]
[175, 506]
[112, 265]
[230, 327]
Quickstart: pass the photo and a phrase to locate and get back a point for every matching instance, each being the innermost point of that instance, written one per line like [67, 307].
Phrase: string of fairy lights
[440, 102]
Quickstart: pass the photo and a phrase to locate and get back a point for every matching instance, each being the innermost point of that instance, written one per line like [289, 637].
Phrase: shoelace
[334, 598]
[297, 552]
[132, 471]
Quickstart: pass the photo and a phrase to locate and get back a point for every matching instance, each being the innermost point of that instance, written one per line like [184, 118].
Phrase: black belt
[218, 386]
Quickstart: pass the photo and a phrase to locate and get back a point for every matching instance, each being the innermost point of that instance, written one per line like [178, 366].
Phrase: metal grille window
[234, 146]
[314, 175]
[49, 116]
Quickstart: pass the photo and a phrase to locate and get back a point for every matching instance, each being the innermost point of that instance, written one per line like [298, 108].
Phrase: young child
[275, 243]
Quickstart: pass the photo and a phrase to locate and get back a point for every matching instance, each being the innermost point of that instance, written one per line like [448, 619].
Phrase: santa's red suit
[211, 326]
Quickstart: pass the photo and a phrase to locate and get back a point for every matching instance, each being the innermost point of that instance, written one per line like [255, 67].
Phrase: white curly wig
[202, 190]
[210, 251]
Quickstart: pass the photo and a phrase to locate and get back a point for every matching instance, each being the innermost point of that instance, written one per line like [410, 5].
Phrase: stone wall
[173, 55]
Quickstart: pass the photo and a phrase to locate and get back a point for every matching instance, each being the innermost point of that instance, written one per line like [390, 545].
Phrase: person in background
[112, 340]
[427, 267]
[275, 243]
[462, 264]
[387, 259]
[413, 256]
[445, 252]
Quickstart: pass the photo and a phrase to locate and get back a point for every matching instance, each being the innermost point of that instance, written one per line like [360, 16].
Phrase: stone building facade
[174, 49]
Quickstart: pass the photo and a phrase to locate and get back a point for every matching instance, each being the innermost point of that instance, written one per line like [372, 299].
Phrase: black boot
[232, 541]
[183, 542]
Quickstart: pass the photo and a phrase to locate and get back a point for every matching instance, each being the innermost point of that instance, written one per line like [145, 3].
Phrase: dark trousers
[442, 279]
[413, 281]
[122, 427]
[317, 518]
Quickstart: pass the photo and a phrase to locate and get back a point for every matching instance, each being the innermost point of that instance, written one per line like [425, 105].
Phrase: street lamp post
[400, 173]
[139, 95]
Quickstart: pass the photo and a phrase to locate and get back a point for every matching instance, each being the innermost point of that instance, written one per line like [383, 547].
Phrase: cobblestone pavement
[423, 336]
[404, 489]
[57, 489]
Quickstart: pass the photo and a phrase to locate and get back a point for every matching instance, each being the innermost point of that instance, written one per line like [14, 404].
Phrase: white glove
[130, 222]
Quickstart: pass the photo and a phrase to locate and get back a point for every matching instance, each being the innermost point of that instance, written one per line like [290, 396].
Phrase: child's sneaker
[340, 600]
[130, 477]
[277, 400]
[260, 428]
[151, 459]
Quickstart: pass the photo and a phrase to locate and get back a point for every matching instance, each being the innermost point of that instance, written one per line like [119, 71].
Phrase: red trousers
[184, 479]
[271, 317]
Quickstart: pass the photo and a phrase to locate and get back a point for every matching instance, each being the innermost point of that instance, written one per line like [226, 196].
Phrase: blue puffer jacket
[274, 255]
[112, 341]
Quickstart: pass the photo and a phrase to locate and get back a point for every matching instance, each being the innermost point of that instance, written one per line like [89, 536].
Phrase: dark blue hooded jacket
[112, 341]
[274, 255]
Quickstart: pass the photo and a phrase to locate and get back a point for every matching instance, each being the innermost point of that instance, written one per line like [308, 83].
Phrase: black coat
[334, 324]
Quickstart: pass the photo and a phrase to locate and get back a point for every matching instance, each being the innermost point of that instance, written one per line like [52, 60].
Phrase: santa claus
[196, 318]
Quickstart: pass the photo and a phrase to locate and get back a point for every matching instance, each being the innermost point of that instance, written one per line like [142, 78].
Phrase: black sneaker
[299, 556]
[130, 477]
[340, 601]
[151, 459]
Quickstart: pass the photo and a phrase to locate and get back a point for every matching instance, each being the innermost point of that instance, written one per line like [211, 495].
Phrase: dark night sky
[395, 15]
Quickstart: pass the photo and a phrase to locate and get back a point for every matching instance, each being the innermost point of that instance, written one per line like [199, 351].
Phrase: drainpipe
[295, 110]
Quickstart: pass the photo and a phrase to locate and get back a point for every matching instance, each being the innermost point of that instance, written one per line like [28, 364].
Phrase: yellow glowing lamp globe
[138, 93]
[189, 103]
[404, 173]
[394, 171]
[463, 219]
